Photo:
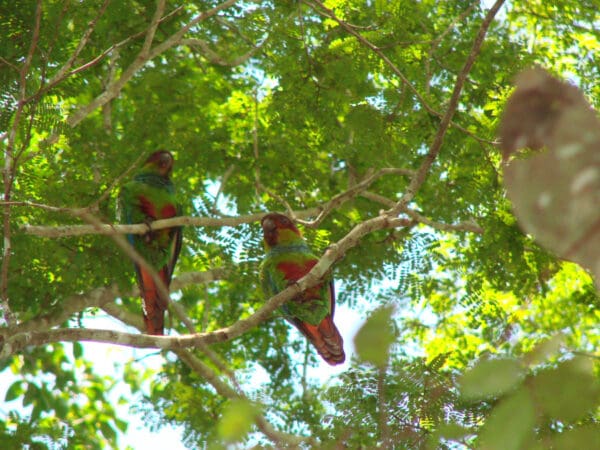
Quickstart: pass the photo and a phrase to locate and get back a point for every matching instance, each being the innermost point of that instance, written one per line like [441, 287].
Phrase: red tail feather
[154, 306]
[326, 338]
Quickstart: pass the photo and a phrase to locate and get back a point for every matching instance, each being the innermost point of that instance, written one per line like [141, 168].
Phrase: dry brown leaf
[555, 192]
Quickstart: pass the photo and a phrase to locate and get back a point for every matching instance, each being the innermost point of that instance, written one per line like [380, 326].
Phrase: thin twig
[281, 440]
[124, 245]
[222, 184]
[173, 40]
[149, 39]
[60, 74]
[211, 376]
[103, 298]
[320, 8]
[384, 426]
[179, 311]
[116, 182]
[258, 185]
[91, 63]
[10, 168]
[215, 58]
[470, 225]
[355, 190]
[145, 55]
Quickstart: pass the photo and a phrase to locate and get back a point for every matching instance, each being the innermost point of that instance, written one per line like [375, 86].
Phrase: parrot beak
[269, 227]
[166, 163]
[166, 160]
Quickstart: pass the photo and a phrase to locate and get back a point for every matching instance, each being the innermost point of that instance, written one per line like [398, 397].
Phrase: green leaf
[583, 437]
[77, 350]
[373, 340]
[31, 394]
[15, 390]
[447, 431]
[107, 430]
[237, 419]
[510, 424]
[568, 391]
[490, 378]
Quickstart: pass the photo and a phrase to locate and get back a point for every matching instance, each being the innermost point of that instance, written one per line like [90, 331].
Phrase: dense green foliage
[269, 106]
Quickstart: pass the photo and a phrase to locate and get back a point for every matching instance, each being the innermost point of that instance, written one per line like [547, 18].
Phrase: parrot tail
[326, 339]
[153, 305]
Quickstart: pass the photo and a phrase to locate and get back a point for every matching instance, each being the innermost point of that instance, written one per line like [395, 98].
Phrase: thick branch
[335, 252]
[212, 377]
[108, 229]
[469, 225]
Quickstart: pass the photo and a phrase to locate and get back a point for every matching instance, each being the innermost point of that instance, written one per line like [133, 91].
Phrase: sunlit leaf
[14, 391]
[490, 378]
[510, 424]
[587, 436]
[374, 338]
[568, 391]
[237, 419]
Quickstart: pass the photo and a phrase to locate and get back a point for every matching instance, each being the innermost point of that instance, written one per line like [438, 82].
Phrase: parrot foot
[149, 235]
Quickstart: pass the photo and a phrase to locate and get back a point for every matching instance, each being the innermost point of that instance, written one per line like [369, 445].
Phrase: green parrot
[288, 259]
[151, 196]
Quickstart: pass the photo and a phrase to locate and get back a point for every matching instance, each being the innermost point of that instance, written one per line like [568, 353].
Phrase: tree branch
[212, 377]
[103, 298]
[320, 8]
[469, 225]
[214, 58]
[280, 439]
[110, 229]
[339, 199]
[133, 254]
[336, 251]
[145, 55]
[384, 426]
[421, 174]
[63, 71]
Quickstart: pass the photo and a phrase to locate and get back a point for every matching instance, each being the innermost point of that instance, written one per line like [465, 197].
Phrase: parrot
[288, 258]
[150, 196]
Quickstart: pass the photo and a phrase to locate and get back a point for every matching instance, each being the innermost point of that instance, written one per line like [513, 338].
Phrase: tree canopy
[373, 125]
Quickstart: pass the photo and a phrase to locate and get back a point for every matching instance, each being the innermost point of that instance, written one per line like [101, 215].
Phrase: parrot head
[160, 162]
[279, 229]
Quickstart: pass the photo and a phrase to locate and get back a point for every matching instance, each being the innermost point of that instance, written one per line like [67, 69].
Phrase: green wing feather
[284, 265]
